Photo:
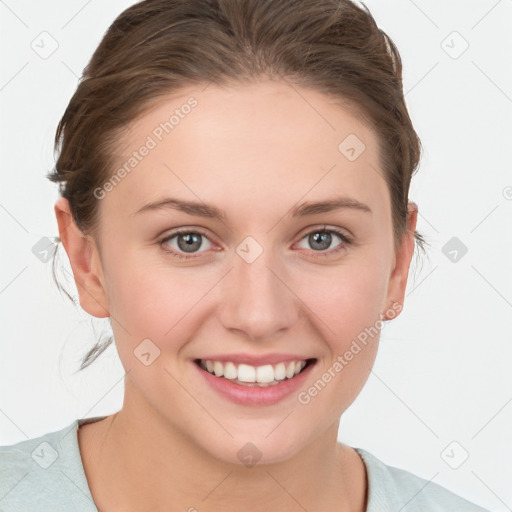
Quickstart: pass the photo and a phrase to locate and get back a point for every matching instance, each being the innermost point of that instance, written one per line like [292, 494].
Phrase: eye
[187, 242]
[321, 238]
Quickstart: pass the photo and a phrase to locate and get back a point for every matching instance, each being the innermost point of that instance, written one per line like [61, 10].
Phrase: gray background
[441, 388]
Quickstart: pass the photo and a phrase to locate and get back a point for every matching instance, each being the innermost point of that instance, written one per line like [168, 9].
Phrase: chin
[249, 451]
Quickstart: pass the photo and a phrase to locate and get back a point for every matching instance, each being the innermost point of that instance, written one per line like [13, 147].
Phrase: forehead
[263, 143]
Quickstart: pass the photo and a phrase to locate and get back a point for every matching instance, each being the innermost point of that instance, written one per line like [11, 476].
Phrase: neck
[134, 461]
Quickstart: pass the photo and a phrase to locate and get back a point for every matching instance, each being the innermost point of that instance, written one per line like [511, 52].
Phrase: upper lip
[255, 360]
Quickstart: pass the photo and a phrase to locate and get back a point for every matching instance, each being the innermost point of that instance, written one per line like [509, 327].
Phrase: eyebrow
[209, 211]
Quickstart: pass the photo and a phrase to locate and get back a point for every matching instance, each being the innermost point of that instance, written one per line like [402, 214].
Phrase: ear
[398, 279]
[85, 262]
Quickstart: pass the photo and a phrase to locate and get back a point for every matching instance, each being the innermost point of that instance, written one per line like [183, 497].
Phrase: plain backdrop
[439, 400]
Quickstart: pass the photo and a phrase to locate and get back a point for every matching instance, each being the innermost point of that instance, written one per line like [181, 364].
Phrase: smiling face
[256, 277]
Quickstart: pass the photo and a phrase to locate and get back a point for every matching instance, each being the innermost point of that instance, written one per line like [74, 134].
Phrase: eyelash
[347, 241]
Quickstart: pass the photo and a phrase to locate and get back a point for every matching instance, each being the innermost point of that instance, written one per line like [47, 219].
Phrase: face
[257, 278]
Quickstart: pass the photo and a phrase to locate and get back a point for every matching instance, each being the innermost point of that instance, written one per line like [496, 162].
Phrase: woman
[234, 180]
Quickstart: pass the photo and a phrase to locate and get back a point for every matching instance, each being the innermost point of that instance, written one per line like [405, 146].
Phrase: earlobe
[85, 262]
[398, 280]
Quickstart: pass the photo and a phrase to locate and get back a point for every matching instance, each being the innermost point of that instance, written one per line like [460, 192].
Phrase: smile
[248, 375]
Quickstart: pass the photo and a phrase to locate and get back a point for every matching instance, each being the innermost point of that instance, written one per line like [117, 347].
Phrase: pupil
[190, 239]
[323, 238]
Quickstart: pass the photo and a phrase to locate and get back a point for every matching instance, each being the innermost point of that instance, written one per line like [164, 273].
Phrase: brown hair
[156, 47]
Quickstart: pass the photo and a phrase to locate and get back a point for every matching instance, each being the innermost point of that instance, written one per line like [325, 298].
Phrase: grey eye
[321, 240]
[187, 241]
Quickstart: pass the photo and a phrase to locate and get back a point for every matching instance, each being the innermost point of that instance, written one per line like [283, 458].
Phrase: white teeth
[262, 375]
[230, 371]
[280, 371]
[218, 368]
[265, 373]
[246, 373]
[290, 370]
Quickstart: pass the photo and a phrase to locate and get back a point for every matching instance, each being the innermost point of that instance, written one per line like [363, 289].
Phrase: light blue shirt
[45, 474]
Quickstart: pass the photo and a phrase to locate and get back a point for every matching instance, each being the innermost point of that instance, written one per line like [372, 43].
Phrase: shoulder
[44, 473]
[391, 488]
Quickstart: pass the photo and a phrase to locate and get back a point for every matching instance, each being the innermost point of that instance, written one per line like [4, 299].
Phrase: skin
[254, 151]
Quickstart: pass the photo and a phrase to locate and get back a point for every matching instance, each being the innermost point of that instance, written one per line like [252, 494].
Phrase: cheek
[154, 300]
[347, 304]
[150, 299]
[346, 299]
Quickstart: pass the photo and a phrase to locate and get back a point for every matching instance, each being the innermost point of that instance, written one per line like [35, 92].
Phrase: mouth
[255, 376]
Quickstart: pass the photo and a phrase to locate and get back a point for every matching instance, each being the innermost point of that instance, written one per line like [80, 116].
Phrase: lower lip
[255, 395]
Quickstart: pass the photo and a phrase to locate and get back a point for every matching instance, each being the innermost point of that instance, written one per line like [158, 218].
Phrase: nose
[258, 299]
